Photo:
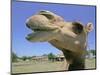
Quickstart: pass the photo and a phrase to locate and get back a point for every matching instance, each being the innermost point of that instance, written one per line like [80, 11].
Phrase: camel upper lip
[40, 28]
[37, 28]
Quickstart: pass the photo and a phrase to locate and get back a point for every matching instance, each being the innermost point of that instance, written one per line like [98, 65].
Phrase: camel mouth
[41, 29]
[38, 34]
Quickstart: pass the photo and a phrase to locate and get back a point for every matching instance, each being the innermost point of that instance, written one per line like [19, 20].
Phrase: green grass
[90, 64]
[31, 66]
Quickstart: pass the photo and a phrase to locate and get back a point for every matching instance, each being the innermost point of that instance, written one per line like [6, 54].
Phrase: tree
[14, 57]
[51, 56]
[93, 52]
[24, 58]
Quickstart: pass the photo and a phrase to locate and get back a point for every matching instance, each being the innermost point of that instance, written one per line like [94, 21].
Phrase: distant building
[59, 57]
[40, 58]
[90, 56]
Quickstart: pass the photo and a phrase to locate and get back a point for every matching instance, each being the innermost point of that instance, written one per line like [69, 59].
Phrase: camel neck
[76, 62]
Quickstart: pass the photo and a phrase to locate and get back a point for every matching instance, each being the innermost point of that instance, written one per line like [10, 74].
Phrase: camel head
[47, 26]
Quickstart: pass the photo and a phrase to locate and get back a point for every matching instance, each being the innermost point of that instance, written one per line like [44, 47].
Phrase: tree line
[50, 56]
[15, 57]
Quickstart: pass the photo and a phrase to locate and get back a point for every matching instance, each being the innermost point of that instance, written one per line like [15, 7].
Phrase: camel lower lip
[33, 34]
[28, 37]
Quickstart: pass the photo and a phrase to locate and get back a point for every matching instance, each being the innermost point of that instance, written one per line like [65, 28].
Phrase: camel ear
[89, 27]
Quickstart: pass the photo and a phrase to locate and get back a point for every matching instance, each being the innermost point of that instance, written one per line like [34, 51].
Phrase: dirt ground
[31, 66]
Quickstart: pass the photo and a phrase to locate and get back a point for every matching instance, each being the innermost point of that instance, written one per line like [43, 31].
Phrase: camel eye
[77, 28]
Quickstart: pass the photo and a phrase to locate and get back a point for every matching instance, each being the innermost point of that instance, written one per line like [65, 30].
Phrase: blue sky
[22, 10]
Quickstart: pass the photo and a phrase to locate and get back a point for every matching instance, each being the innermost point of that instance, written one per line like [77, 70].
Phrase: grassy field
[90, 64]
[31, 66]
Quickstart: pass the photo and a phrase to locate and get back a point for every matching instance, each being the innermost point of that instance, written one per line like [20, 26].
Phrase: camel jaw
[41, 35]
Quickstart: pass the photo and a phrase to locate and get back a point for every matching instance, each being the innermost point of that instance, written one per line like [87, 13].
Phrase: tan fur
[61, 34]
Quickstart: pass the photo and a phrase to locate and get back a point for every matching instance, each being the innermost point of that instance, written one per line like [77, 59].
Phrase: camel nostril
[27, 25]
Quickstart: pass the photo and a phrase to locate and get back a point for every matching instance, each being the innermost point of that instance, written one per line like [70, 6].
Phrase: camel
[69, 37]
